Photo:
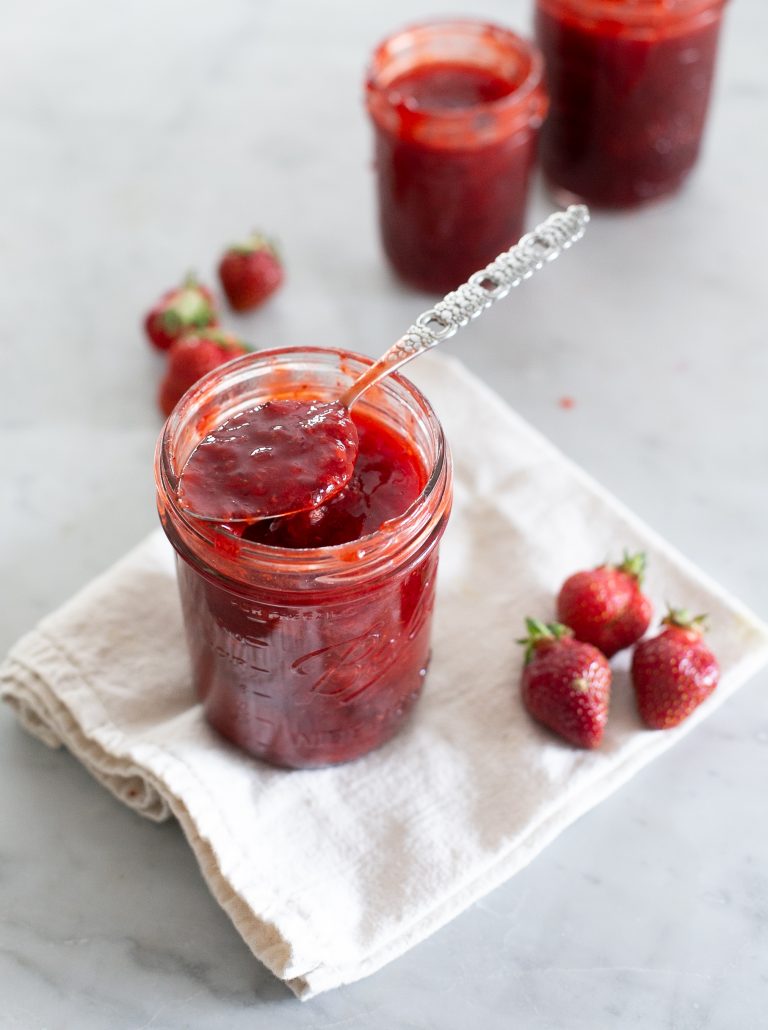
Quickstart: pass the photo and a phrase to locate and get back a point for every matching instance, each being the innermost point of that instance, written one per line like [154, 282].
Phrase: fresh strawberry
[605, 606]
[250, 272]
[189, 306]
[192, 357]
[673, 672]
[566, 684]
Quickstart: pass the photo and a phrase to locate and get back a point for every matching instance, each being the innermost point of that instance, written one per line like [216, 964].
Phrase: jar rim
[636, 14]
[532, 81]
[340, 561]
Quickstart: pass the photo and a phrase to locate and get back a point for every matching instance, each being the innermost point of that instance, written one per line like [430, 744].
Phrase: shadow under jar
[456, 108]
[308, 653]
[629, 83]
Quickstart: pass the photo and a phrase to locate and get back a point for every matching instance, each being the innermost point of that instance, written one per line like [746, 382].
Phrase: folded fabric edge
[45, 717]
[34, 700]
[523, 850]
[493, 400]
[34, 711]
[268, 941]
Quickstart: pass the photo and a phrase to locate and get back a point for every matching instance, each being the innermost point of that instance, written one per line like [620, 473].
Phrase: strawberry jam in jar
[456, 107]
[629, 84]
[309, 634]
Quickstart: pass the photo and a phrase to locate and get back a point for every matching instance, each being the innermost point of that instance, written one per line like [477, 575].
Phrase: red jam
[283, 456]
[315, 684]
[440, 87]
[332, 682]
[387, 478]
[629, 87]
[455, 138]
[309, 636]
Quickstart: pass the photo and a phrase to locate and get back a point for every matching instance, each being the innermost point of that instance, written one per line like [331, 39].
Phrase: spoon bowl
[277, 459]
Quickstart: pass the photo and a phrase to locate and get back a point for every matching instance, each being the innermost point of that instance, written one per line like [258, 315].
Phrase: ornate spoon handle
[545, 243]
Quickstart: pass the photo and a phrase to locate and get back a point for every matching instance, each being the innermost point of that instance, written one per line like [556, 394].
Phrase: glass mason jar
[306, 657]
[456, 108]
[629, 84]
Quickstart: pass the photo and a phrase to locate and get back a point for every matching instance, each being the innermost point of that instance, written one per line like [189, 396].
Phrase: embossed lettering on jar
[310, 637]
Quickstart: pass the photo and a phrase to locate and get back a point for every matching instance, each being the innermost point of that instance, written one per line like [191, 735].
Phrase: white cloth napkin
[330, 874]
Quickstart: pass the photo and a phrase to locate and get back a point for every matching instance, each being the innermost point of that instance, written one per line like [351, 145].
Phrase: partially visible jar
[307, 656]
[629, 83]
[456, 108]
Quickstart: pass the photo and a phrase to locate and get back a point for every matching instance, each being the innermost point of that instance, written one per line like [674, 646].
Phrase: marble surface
[137, 139]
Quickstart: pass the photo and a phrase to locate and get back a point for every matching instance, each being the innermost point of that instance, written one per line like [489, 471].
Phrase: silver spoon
[226, 484]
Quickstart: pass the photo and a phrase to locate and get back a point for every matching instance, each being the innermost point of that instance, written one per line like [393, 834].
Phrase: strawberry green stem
[634, 565]
[255, 242]
[539, 632]
[682, 617]
[226, 339]
[190, 308]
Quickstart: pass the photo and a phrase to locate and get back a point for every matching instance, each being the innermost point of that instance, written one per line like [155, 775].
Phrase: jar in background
[307, 656]
[456, 108]
[629, 84]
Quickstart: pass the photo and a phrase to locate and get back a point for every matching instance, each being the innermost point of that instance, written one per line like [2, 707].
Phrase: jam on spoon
[281, 457]
[290, 455]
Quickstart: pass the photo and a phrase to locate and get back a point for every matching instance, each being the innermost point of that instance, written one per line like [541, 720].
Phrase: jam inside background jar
[629, 83]
[308, 656]
[456, 107]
